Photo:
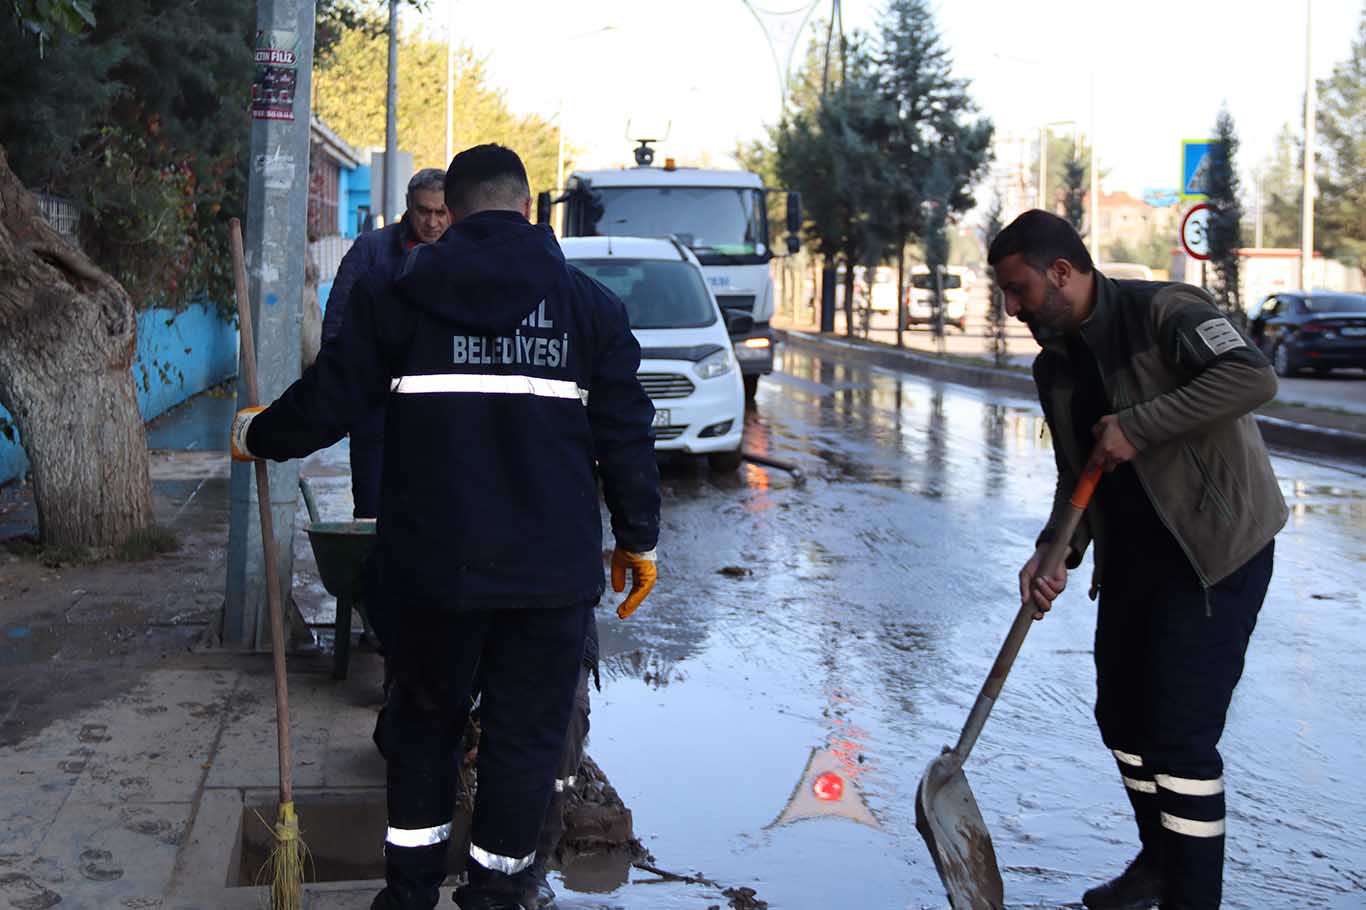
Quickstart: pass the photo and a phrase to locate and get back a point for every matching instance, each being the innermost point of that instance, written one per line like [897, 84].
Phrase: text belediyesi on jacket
[508, 374]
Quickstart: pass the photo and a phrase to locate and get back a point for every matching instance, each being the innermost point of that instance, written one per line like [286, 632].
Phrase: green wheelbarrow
[340, 548]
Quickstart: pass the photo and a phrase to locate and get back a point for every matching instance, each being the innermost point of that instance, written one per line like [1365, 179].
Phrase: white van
[687, 361]
[882, 289]
[957, 282]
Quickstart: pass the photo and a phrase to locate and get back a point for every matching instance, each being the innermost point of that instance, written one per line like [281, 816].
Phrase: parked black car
[1318, 330]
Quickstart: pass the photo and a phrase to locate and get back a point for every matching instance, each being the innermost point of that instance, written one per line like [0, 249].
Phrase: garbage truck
[721, 215]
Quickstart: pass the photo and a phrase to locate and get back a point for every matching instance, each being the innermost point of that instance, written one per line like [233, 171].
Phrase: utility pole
[1093, 228]
[1043, 165]
[450, 90]
[276, 223]
[1307, 197]
[1257, 185]
[390, 197]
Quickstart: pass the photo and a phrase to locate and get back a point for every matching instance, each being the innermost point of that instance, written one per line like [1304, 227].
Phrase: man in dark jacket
[510, 380]
[1151, 382]
[424, 221]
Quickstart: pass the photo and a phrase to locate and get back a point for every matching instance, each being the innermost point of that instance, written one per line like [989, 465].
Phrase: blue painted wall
[179, 355]
[357, 195]
[324, 289]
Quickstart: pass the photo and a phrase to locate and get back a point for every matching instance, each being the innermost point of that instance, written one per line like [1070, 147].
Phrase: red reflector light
[828, 787]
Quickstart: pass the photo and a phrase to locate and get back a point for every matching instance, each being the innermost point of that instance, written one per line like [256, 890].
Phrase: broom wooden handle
[273, 596]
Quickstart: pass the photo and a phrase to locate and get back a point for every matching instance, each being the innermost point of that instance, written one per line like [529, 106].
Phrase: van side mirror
[739, 323]
[543, 208]
[794, 244]
[794, 213]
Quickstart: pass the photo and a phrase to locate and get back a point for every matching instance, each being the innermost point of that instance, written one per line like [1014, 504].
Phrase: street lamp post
[389, 195]
[450, 88]
[559, 116]
[1307, 198]
[1044, 132]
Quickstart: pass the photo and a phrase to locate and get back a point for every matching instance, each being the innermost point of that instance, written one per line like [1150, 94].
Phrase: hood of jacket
[485, 274]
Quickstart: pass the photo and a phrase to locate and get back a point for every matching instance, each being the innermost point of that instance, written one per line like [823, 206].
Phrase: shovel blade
[947, 817]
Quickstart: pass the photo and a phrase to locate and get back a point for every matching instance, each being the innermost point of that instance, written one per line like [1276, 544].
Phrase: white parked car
[920, 307]
[687, 361]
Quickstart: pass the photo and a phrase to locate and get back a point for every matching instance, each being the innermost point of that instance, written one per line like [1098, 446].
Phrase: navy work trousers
[528, 661]
[1168, 655]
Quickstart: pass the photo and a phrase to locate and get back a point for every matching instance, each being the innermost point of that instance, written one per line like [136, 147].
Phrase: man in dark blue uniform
[425, 220]
[511, 390]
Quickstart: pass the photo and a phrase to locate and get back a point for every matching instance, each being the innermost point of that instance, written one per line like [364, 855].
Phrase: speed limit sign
[1195, 231]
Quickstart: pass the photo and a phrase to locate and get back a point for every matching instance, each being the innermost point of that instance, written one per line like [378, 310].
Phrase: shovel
[946, 813]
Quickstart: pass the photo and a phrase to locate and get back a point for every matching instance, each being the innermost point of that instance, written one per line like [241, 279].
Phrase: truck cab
[720, 215]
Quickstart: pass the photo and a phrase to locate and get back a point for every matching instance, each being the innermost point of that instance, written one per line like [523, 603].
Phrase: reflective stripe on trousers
[507, 865]
[417, 837]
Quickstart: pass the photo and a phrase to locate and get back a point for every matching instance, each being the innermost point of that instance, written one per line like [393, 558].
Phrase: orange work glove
[643, 575]
[237, 436]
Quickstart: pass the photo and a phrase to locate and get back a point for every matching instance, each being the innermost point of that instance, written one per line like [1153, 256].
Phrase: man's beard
[1056, 311]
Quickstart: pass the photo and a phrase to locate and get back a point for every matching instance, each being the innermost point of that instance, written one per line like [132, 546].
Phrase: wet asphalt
[830, 637]
[844, 627]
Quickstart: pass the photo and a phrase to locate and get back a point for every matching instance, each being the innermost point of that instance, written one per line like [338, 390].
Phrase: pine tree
[1226, 217]
[1074, 191]
[1340, 227]
[1281, 179]
[932, 122]
[996, 310]
[938, 191]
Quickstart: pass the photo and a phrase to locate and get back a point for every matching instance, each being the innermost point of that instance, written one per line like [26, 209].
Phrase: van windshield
[925, 282]
[716, 220]
[658, 294]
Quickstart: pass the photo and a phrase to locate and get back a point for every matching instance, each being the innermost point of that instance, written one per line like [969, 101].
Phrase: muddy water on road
[769, 711]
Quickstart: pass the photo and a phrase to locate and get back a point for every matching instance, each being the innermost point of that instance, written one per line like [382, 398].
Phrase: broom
[285, 865]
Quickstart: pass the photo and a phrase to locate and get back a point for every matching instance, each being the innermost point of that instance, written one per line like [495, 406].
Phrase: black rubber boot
[539, 896]
[1138, 887]
[467, 898]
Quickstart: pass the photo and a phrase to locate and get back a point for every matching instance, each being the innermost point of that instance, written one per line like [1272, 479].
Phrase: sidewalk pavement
[1287, 423]
[134, 760]
[131, 756]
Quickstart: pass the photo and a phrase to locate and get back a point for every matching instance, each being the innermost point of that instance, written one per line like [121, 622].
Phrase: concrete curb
[1341, 445]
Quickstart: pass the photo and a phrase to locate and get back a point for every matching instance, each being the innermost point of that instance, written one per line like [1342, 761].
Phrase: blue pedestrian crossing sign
[1195, 167]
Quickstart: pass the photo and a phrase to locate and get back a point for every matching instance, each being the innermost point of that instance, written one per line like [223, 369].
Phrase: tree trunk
[901, 313]
[848, 297]
[828, 294]
[67, 336]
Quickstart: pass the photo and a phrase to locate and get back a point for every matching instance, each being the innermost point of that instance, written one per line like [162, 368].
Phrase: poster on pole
[276, 77]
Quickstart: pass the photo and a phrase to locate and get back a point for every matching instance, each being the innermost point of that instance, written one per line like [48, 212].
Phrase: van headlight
[713, 365]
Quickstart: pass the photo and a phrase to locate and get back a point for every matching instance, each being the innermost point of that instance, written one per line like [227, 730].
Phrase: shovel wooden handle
[273, 594]
[1053, 559]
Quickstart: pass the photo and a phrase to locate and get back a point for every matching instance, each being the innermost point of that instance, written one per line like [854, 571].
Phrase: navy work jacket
[510, 382]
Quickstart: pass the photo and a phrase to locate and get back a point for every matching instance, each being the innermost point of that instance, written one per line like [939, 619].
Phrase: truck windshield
[658, 294]
[718, 220]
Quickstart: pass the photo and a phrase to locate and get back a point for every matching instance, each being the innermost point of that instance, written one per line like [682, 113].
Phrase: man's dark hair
[1040, 238]
[429, 178]
[486, 177]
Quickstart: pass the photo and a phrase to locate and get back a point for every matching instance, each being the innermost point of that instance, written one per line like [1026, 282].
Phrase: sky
[701, 72]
